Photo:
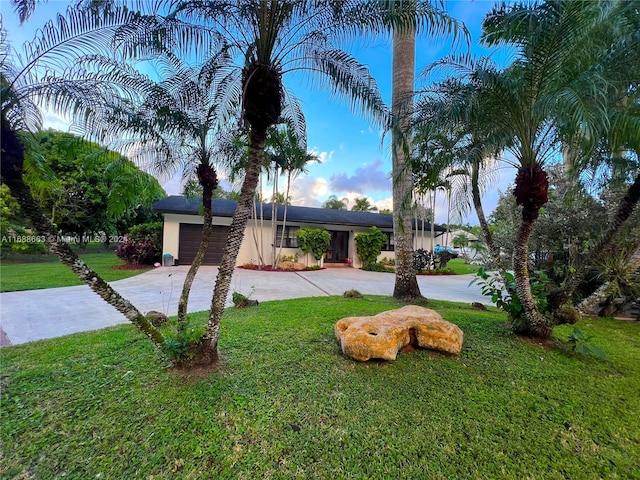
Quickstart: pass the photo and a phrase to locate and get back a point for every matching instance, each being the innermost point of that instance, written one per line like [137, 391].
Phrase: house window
[290, 237]
[389, 245]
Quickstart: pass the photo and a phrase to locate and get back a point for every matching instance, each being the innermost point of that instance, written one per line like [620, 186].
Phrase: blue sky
[353, 161]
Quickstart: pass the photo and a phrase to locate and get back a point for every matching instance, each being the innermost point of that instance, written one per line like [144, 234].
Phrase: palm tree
[448, 114]
[526, 100]
[335, 203]
[617, 146]
[363, 205]
[66, 68]
[274, 38]
[403, 73]
[182, 125]
[294, 160]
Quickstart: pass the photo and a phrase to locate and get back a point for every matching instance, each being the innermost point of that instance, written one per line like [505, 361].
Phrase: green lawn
[33, 272]
[461, 267]
[286, 404]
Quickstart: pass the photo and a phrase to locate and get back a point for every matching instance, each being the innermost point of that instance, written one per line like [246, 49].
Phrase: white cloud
[385, 204]
[309, 191]
[323, 156]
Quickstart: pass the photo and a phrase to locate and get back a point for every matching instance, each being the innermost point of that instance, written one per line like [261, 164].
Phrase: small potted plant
[348, 261]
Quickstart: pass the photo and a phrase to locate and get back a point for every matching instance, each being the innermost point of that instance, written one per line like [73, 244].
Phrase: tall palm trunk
[482, 220]
[207, 227]
[13, 159]
[433, 220]
[209, 344]
[404, 45]
[274, 219]
[602, 248]
[284, 217]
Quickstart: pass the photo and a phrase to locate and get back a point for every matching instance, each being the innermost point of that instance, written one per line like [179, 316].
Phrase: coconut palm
[403, 73]
[67, 67]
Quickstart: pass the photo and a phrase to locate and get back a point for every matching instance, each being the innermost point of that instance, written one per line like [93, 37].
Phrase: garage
[190, 236]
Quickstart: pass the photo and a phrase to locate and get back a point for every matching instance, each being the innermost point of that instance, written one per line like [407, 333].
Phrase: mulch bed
[269, 268]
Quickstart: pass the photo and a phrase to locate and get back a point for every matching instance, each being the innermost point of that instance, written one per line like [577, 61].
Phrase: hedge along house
[183, 230]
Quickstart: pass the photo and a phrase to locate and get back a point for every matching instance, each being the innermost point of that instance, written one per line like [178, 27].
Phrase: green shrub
[142, 245]
[506, 296]
[376, 267]
[369, 245]
[314, 240]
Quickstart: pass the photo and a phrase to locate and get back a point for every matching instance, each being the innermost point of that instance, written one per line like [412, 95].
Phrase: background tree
[363, 205]
[82, 182]
[335, 203]
[78, 39]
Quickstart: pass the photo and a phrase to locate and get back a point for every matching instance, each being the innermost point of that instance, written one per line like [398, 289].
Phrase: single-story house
[183, 230]
[446, 238]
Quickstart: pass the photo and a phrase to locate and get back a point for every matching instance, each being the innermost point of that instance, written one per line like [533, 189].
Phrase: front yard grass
[286, 404]
[461, 267]
[33, 272]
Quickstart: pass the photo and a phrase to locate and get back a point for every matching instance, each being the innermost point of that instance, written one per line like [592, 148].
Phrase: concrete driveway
[38, 314]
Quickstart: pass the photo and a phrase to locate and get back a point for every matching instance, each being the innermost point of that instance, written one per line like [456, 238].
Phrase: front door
[338, 248]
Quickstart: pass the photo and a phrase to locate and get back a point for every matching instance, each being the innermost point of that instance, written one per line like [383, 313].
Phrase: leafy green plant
[581, 344]
[369, 245]
[506, 296]
[241, 301]
[314, 240]
[376, 267]
[177, 342]
[142, 245]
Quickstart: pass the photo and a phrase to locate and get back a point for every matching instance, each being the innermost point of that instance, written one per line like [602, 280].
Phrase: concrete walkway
[38, 314]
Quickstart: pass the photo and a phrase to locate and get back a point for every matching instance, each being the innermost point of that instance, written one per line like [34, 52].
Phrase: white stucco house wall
[183, 230]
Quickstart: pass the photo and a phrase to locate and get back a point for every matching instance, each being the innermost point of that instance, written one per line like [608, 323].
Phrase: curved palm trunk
[482, 220]
[532, 323]
[13, 158]
[404, 45]
[207, 227]
[602, 248]
[209, 344]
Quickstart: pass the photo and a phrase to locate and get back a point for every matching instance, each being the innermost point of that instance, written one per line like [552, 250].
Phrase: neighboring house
[446, 238]
[183, 230]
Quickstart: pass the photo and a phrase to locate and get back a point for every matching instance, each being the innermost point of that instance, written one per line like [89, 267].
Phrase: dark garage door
[190, 236]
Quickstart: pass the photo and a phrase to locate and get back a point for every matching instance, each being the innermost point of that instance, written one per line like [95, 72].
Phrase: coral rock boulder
[382, 335]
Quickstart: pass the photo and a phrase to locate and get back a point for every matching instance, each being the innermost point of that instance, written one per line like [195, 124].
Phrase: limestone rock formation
[382, 335]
